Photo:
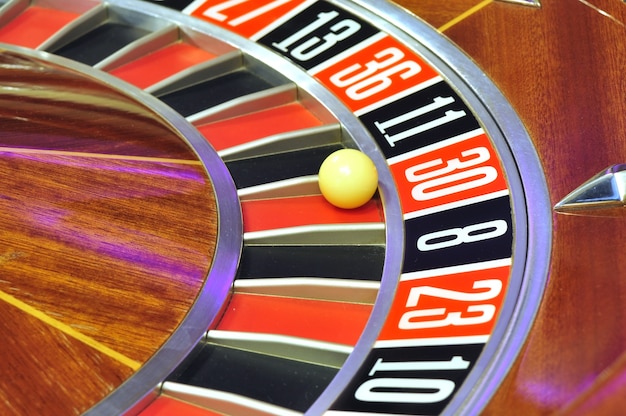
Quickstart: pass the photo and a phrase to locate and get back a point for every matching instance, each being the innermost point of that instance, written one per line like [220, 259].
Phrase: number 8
[455, 236]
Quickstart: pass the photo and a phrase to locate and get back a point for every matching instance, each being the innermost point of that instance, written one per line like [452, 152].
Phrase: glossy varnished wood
[438, 14]
[108, 229]
[561, 67]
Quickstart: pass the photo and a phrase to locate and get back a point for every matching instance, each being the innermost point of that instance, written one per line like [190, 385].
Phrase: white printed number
[456, 236]
[315, 45]
[361, 83]
[400, 389]
[455, 175]
[479, 314]
[409, 118]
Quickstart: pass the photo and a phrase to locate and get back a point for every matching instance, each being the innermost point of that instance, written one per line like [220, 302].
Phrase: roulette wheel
[167, 250]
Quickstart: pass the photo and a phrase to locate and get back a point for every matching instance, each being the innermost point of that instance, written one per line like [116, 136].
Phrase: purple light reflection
[86, 179]
[173, 170]
[554, 394]
[612, 387]
[112, 244]
[89, 218]
[49, 217]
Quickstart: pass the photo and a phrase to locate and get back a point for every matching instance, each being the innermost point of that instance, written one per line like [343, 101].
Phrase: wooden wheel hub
[109, 231]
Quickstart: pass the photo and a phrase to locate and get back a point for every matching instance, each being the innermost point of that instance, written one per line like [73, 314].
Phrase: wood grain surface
[108, 231]
[562, 68]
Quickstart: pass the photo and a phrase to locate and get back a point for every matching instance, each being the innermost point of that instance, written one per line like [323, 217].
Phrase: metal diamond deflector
[605, 190]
